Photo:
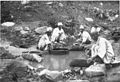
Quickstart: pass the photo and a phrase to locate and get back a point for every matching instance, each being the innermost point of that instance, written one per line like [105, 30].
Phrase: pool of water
[52, 62]
[61, 62]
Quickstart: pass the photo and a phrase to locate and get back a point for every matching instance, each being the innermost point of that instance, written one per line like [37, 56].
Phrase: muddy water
[61, 62]
[52, 62]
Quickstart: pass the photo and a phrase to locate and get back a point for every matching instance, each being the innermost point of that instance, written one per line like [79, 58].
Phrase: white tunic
[103, 49]
[56, 33]
[44, 40]
[85, 36]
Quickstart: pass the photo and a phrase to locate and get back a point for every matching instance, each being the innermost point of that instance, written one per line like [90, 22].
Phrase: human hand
[89, 60]
[88, 46]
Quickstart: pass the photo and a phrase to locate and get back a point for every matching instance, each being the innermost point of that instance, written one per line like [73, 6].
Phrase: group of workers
[101, 50]
[56, 35]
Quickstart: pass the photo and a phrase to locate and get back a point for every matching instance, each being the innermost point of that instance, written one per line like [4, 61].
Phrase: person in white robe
[84, 35]
[58, 33]
[45, 40]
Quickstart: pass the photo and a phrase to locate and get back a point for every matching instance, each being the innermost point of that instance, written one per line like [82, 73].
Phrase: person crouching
[101, 53]
[45, 40]
[85, 37]
[58, 34]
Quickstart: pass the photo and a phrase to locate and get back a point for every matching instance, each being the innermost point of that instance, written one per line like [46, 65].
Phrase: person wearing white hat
[101, 47]
[58, 33]
[45, 40]
[84, 36]
[49, 29]
[101, 53]
[95, 28]
[60, 24]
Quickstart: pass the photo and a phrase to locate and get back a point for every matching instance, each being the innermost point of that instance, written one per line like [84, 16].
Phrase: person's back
[85, 37]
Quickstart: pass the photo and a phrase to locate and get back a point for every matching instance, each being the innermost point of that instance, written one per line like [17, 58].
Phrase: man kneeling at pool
[101, 52]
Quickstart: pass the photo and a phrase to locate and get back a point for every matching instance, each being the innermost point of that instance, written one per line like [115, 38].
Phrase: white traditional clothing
[85, 36]
[57, 33]
[44, 40]
[59, 24]
[93, 29]
[103, 49]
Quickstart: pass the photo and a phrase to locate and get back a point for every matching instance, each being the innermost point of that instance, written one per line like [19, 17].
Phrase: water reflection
[61, 62]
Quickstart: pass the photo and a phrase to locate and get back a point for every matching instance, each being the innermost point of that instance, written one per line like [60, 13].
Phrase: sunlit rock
[32, 57]
[89, 19]
[26, 28]
[49, 3]
[61, 5]
[25, 1]
[52, 74]
[95, 70]
[18, 28]
[41, 30]
[23, 32]
[101, 4]
[8, 24]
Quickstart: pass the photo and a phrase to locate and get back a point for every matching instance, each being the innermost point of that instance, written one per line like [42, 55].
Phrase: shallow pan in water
[77, 48]
[59, 51]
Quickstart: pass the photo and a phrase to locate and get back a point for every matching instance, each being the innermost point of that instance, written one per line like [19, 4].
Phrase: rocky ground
[33, 17]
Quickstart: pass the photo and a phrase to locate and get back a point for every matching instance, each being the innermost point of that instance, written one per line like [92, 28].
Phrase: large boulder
[95, 70]
[15, 51]
[8, 24]
[32, 57]
[53, 76]
[41, 30]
